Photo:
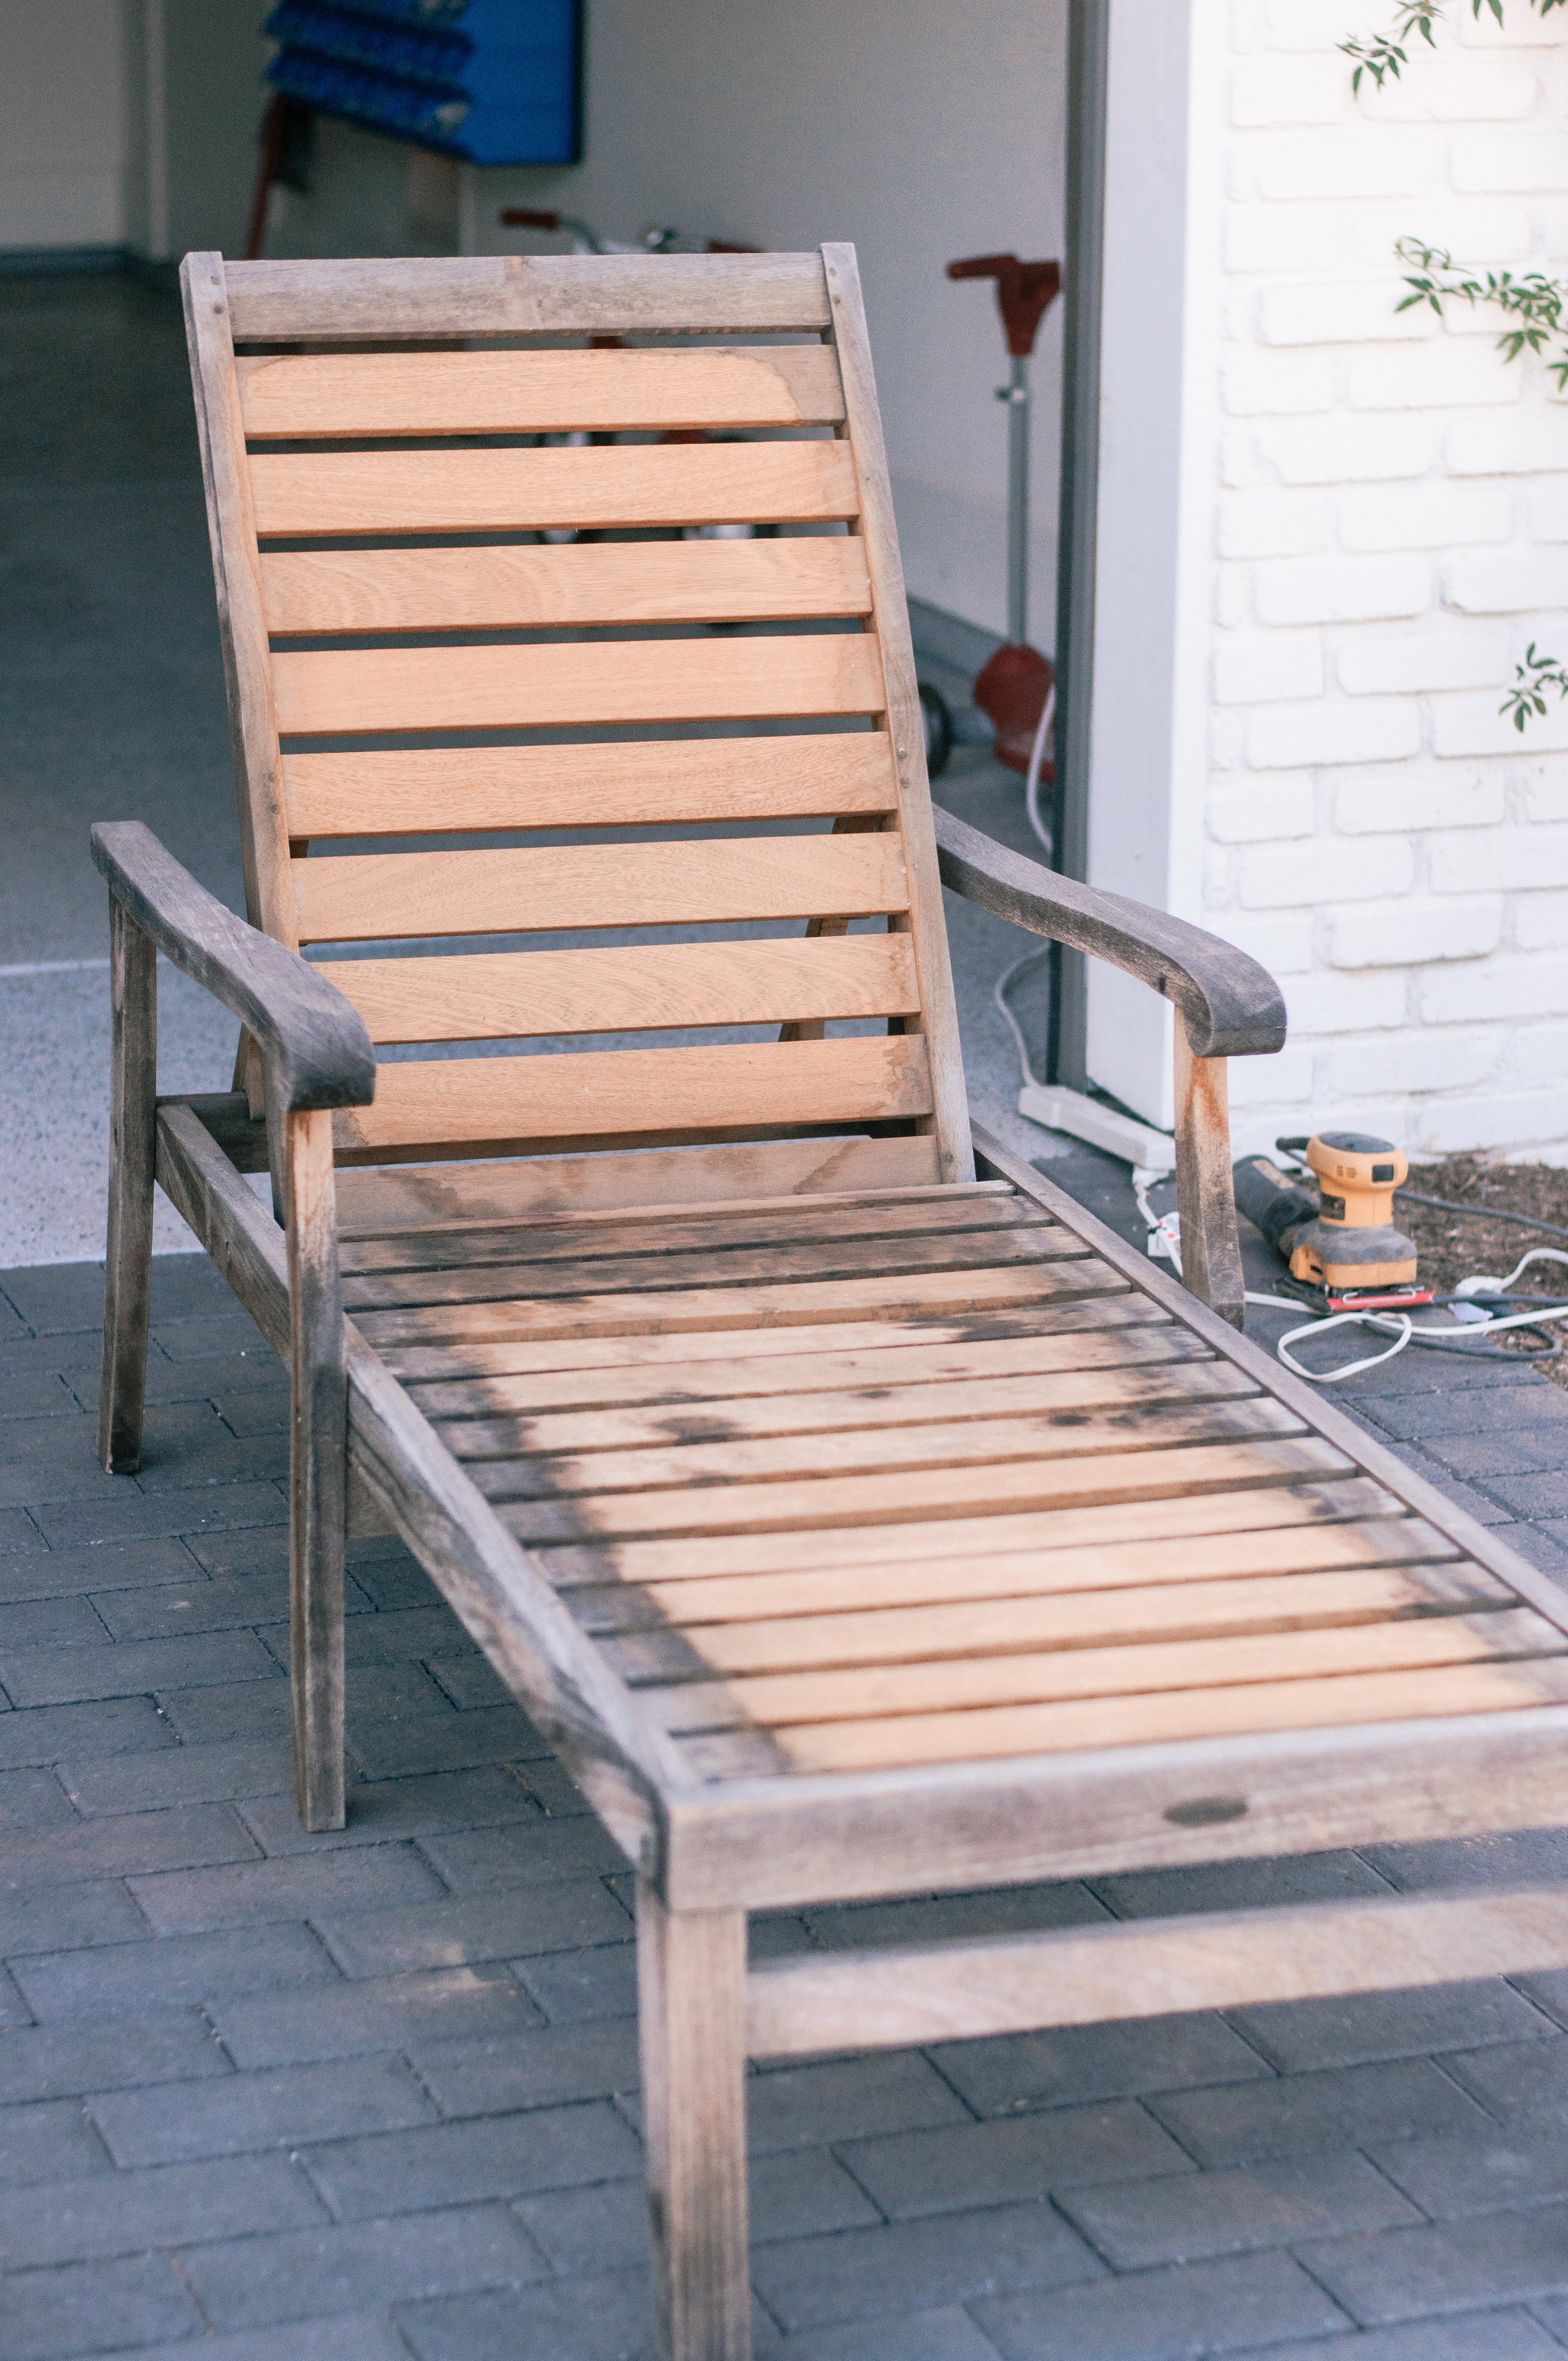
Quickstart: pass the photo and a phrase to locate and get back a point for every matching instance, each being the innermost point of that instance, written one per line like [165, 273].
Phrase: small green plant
[1532, 303]
[1532, 680]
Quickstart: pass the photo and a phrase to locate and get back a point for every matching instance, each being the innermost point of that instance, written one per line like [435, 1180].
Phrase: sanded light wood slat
[740, 1599]
[571, 683]
[850, 1259]
[805, 1303]
[582, 584]
[637, 1354]
[465, 1280]
[955, 1630]
[664, 1240]
[423, 791]
[696, 1385]
[341, 492]
[779, 1702]
[914, 1494]
[1267, 1505]
[865, 1408]
[297, 395]
[596, 1094]
[506, 995]
[782, 1459]
[488, 588]
[1341, 1701]
[360, 897]
[378, 1204]
[1090, 1975]
[528, 294]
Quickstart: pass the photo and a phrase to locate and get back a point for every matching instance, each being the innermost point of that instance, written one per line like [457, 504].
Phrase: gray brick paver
[523, 2068]
[1137, 2223]
[1482, 2336]
[187, 1837]
[918, 2266]
[1492, 2258]
[239, 2112]
[1096, 2061]
[1012, 2159]
[441, 2008]
[170, 2205]
[439, 1805]
[172, 2045]
[51, 1918]
[248, 1894]
[53, 2314]
[1359, 2027]
[484, 1927]
[56, 1573]
[493, 2156]
[347, 2266]
[1338, 2107]
[49, 2141]
[223, 1772]
[1474, 2176]
[1235, 2306]
[364, 2337]
[132, 1668]
[119, 1979]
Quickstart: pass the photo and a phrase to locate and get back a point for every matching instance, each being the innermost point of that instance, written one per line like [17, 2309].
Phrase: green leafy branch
[1385, 55]
[1534, 301]
[1532, 680]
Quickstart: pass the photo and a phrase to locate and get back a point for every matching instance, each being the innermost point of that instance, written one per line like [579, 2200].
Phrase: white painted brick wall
[1391, 529]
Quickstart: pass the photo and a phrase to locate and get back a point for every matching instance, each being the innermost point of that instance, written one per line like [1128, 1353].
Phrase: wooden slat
[492, 1102]
[738, 1599]
[297, 395]
[572, 684]
[376, 1204]
[877, 1453]
[724, 1382]
[920, 1494]
[847, 1554]
[506, 995]
[361, 897]
[864, 1409]
[528, 294]
[663, 1239]
[631, 484]
[1087, 1975]
[424, 791]
[314, 591]
[851, 1256]
[1342, 1701]
[953, 1631]
[1130, 1675]
[717, 1309]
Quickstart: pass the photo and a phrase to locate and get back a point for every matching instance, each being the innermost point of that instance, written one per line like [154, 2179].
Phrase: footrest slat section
[1024, 1983]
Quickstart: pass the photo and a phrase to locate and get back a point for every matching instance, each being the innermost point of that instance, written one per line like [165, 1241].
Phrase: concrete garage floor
[264, 2097]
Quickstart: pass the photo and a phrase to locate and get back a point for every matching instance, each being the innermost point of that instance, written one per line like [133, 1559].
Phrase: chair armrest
[1232, 1006]
[314, 1041]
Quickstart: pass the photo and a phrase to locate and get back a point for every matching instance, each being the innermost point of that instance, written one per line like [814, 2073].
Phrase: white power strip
[1119, 1134]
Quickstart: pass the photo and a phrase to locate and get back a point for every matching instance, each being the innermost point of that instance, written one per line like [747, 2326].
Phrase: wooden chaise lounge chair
[852, 1524]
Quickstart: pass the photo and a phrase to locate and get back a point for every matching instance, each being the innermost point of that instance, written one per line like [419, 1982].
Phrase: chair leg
[127, 1269]
[318, 1470]
[691, 1998]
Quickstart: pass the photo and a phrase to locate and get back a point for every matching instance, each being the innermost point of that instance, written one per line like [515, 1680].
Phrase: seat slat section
[504, 995]
[595, 1094]
[1342, 1701]
[955, 1630]
[1305, 1509]
[870, 1407]
[920, 1494]
[315, 495]
[424, 791]
[528, 295]
[360, 897]
[316, 591]
[1060, 1676]
[739, 1600]
[804, 1304]
[853, 1257]
[743, 1466]
[930, 1213]
[695, 1383]
[298, 395]
[570, 685]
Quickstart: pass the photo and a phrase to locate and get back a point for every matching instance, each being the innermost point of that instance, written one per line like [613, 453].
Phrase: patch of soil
[1453, 1245]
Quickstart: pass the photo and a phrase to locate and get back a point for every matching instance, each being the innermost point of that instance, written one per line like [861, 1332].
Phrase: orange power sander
[1339, 1239]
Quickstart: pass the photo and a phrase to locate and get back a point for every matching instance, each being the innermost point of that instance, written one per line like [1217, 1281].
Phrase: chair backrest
[473, 525]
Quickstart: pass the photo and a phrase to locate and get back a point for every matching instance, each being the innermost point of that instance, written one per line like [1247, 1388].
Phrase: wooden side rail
[1230, 1007]
[316, 1055]
[1021, 1983]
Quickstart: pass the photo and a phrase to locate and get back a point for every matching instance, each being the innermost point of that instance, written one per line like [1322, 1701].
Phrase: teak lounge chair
[852, 1524]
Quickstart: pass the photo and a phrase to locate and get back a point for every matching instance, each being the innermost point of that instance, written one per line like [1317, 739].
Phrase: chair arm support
[314, 1041]
[1232, 1006]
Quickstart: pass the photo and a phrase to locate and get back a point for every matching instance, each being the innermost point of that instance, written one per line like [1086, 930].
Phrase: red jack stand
[1013, 687]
